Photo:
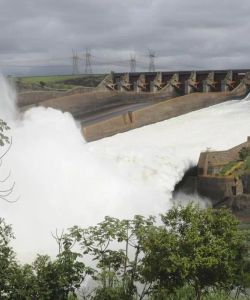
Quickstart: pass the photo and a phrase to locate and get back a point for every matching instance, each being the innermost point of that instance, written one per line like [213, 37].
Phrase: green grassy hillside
[58, 82]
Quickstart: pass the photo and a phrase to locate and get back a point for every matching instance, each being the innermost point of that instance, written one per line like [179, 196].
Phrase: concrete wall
[246, 183]
[215, 169]
[35, 97]
[122, 123]
[215, 188]
[163, 110]
[231, 191]
[166, 104]
[212, 161]
[240, 206]
[187, 81]
[88, 104]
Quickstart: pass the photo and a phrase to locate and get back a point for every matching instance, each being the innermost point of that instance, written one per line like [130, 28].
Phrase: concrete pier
[156, 84]
[209, 84]
[185, 82]
[124, 83]
[191, 85]
[173, 84]
[227, 84]
[140, 84]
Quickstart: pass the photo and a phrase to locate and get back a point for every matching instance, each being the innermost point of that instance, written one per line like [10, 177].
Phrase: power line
[132, 63]
[88, 68]
[89, 61]
[151, 55]
[75, 61]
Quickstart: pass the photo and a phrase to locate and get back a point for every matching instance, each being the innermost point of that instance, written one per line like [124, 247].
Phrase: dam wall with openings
[184, 81]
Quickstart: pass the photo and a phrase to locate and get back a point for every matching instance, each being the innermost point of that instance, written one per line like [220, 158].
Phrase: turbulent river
[62, 181]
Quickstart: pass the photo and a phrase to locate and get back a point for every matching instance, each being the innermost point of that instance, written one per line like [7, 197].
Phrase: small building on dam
[224, 178]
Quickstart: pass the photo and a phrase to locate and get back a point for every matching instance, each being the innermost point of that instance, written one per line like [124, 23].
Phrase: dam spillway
[184, 81]
[184, 92]
[124, 101]
[127, 174]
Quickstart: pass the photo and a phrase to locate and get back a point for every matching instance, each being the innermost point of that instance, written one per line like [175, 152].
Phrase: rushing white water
[62, 181]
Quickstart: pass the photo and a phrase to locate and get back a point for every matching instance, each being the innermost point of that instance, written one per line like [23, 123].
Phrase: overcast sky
[37, 36]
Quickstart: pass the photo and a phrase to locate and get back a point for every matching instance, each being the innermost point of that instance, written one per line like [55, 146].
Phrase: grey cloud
[184, 34]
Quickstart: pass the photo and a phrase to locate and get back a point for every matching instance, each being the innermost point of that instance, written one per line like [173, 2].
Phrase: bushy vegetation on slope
[193, 254]
[243, 162]
[59, 82]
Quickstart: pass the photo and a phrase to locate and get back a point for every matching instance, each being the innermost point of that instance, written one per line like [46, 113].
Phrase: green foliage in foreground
[44, 278]
[187, 293]
[192, 254]
[4, 139]
[202, 248]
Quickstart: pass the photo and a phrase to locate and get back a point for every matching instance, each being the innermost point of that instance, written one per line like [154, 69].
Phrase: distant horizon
[42, 74]
[41, 38]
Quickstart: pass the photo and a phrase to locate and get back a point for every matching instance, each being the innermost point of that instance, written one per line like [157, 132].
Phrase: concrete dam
[185, 82]
[127, 174]
[124, 101]
[176, 93]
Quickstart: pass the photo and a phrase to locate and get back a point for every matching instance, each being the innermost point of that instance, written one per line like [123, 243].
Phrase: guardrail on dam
[184, 81]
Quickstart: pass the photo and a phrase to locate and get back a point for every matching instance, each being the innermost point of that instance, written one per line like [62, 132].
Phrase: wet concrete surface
[110, 113]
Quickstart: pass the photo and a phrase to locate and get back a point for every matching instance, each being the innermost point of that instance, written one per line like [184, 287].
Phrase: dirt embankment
[33, 90]
[37, 97]
[87, 103]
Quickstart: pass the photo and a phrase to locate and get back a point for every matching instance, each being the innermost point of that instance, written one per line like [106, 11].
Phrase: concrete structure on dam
[223, 177]
[184, 92]
[185, 82]
[124, 101]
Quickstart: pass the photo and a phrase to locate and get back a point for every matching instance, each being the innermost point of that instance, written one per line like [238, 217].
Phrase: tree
[42, 84]
[244, 153]
[43, 279]
[3, 138]
[203, 248]
[7, 260]
[59, 278]
[116, 246]
[48, 279]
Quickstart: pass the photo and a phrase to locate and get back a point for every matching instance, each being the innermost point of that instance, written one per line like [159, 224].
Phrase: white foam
[63, 181]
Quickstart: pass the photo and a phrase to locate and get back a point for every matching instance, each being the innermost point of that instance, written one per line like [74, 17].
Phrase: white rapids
[63, 181]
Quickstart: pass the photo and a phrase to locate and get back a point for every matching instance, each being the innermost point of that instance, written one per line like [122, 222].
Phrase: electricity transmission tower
[88, 68]
[75, 60]
[151, 55]
[132, 63]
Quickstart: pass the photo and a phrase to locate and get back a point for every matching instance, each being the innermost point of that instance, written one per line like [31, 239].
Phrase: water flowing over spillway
[62, 181]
